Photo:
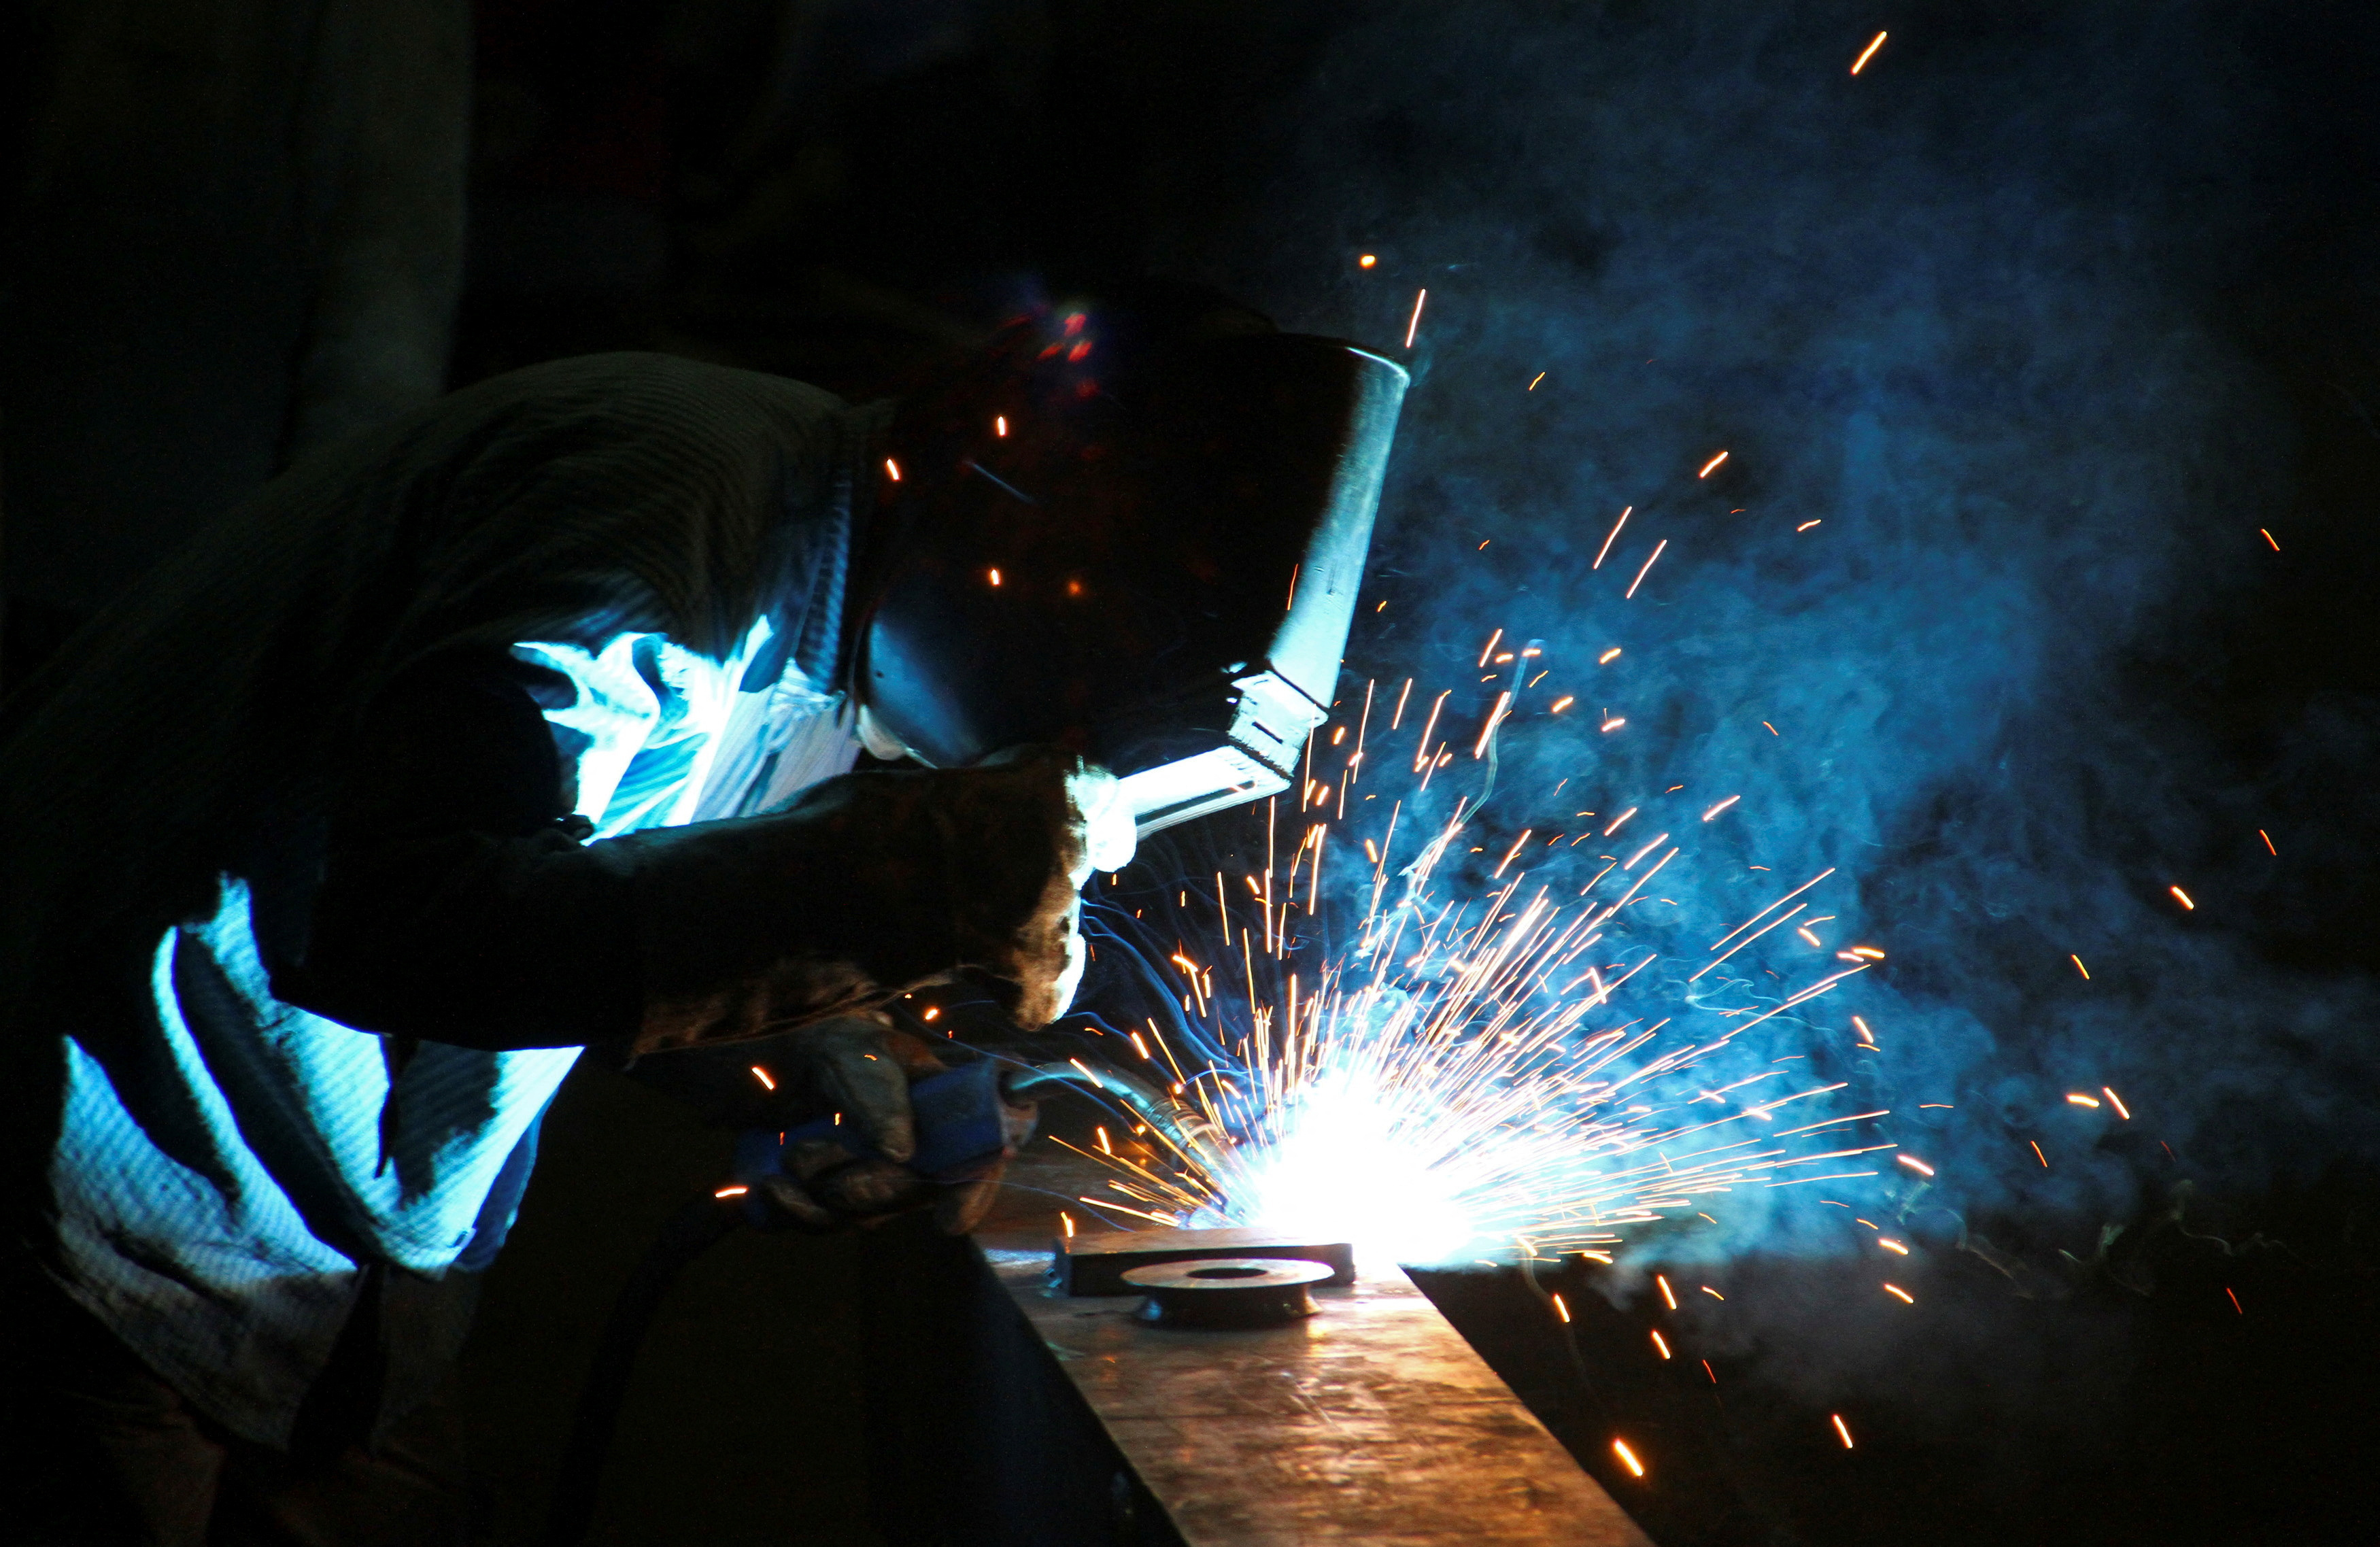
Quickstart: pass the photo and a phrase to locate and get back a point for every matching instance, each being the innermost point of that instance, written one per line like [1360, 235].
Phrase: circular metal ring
[1225, 1292]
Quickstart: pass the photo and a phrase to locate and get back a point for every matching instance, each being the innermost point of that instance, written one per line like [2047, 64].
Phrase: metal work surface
[1370, 1422]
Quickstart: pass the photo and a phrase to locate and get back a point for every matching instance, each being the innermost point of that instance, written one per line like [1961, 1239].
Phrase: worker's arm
[455, 906]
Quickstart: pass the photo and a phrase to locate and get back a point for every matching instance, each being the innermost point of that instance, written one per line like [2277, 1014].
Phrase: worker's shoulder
[645, 385]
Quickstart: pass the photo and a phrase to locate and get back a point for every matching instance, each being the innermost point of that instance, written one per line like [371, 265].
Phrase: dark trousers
[105, 1453]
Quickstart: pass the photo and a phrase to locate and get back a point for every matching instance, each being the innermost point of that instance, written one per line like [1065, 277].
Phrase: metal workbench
[1060, 1420]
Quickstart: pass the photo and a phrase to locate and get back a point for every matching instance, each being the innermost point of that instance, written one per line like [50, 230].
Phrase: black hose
[689, 1233]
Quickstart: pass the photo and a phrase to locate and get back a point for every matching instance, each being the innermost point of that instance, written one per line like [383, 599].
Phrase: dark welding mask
[1135, 530]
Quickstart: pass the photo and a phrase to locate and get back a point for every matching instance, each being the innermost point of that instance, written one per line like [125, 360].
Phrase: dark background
[2041, 317]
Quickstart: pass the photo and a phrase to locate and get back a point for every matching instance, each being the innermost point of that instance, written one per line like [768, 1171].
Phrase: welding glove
[861, 1066]
[869, 886]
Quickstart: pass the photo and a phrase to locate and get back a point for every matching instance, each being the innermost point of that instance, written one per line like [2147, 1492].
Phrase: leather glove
[871, 885]
[1100, 836]
[862, 1066]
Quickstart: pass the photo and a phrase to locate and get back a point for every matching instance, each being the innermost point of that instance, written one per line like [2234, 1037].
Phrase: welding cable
[689, 1233]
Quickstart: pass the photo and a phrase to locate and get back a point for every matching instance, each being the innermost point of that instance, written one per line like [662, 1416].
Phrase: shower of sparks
[1472, 1072]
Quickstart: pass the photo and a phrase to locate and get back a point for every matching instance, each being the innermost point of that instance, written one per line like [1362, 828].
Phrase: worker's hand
[862, 1066]
[866, 886]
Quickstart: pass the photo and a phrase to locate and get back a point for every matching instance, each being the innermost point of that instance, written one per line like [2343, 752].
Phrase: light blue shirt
[227, 1252]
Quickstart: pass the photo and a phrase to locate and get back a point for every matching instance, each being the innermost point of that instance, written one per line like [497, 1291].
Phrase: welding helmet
[1134, 528]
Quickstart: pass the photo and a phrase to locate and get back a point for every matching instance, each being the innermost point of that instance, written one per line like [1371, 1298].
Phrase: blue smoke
[1973, 313]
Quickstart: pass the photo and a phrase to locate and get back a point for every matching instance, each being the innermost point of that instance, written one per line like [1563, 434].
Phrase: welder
[522, 728]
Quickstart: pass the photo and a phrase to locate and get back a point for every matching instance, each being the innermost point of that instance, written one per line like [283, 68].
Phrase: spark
[1897, 1293]
[2117, 1102]
[1513, 850]
[1841, 1428]
[1414, 325]
[2079, 967]
[1646, 570]
[995, 576]
[1368, 260]
[1562, 703]
[999, 424]
[893, 470]
[2268, 537]
[1490, 648]
[1645, 850]
[2268, 843]
[1609, 538]
[1627, 1457]
[1712, 466]
[1560, 1310]
[2235, 1302]
[762, 1076]
[1669, 1298]
[2038, 1154]
[1661, 1344]
[1609, 656]
[1888, 1244]
[736, 1191]
[1713, 1293]
[1494, 718]
[1533, 385]
[1914, 1164]
[1722, 806]
[1613, 724]
[1067, 1222]
[1858, 65]
[1771, 729]
[2083, 1101]
[1807, 525]
[2182, 897]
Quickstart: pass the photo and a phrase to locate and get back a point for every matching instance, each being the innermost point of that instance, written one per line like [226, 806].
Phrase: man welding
[524, 727]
